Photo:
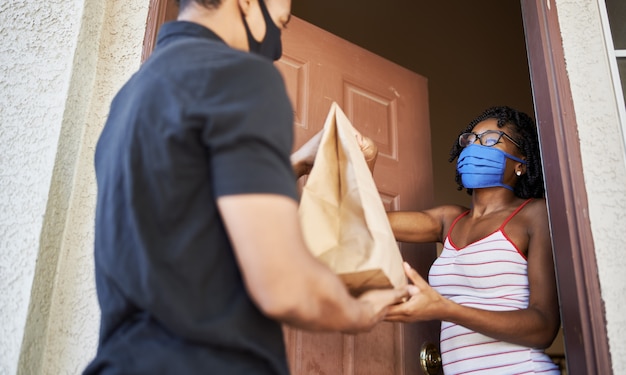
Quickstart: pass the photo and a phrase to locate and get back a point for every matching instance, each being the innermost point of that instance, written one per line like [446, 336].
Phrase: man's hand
[302, 159]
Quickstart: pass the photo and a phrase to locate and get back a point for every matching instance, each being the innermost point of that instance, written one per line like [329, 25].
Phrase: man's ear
[244, 5]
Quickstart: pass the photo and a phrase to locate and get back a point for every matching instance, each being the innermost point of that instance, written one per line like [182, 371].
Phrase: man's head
[250, 25]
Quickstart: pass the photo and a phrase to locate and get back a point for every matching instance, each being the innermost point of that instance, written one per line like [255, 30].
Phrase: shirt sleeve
[249, 134]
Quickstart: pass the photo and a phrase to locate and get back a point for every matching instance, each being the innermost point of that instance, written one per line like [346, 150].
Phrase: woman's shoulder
[536, 206]
[449, 212]
[449, 209]
[534, 213]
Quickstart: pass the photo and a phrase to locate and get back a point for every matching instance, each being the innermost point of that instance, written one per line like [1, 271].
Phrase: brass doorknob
[430, 359]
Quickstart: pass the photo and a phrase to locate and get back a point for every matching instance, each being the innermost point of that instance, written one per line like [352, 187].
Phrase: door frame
[582, 311]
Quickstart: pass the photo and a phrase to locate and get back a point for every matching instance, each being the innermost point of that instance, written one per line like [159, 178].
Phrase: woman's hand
[424, 304]
[374, 304]
[533, 327]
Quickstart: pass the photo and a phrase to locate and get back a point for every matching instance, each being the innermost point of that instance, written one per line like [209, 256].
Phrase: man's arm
[285, 281]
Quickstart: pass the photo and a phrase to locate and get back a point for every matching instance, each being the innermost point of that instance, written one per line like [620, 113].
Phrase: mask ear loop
[521, 169]
[271, 31]
[252, 42]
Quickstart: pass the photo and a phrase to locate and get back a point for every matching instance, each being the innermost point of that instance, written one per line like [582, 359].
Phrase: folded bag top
[342, 215]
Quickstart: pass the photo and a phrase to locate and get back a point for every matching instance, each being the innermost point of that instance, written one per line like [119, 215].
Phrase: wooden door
[390, 105]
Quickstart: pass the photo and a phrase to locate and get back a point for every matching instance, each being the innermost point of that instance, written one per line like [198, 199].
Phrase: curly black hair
[524, 131]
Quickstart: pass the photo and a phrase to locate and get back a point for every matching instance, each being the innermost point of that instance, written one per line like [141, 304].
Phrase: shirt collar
[173, 30]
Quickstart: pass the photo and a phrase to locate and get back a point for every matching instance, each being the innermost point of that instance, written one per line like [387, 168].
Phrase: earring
[518, 173]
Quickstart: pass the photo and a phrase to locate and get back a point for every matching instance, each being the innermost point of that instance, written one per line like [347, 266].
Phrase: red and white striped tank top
[489, 274]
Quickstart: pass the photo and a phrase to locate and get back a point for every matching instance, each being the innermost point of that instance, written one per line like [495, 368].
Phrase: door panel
[390, 105]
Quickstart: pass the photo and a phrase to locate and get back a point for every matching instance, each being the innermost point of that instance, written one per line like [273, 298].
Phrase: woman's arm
[423, 226]
[535, 326]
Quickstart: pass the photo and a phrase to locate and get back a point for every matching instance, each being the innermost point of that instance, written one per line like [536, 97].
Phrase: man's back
[198, 121]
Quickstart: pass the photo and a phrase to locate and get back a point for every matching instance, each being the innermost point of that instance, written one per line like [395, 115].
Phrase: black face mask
[271, 46]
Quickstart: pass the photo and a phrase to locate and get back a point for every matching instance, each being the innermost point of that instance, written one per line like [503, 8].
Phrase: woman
[493, 286]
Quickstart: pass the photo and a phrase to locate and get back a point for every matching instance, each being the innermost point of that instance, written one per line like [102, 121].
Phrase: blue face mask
[481, 166]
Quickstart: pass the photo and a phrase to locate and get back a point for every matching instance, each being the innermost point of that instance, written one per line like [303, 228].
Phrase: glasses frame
[479, 137]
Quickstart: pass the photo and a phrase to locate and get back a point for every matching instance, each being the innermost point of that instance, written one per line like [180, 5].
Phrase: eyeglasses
[488, 138]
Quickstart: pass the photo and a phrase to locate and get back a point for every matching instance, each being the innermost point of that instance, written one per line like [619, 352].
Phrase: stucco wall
[35, 69]
[74, 314]
[60, 64]
[602, 150]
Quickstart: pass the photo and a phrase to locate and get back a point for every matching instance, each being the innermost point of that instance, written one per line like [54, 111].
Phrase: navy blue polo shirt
[199, 120]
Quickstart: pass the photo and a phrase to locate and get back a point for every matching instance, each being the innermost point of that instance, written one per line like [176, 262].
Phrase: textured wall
[603, 153]
[35, 68]
[60, 64]
[107, 54]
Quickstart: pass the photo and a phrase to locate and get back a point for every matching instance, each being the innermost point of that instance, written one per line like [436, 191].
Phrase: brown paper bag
[342, 215]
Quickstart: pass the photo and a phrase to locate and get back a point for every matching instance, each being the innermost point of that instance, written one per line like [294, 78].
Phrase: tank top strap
[518, 209]
[454, 222]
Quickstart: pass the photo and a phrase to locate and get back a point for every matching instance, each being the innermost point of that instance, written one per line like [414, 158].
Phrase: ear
[244, 5]
[520, 169]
